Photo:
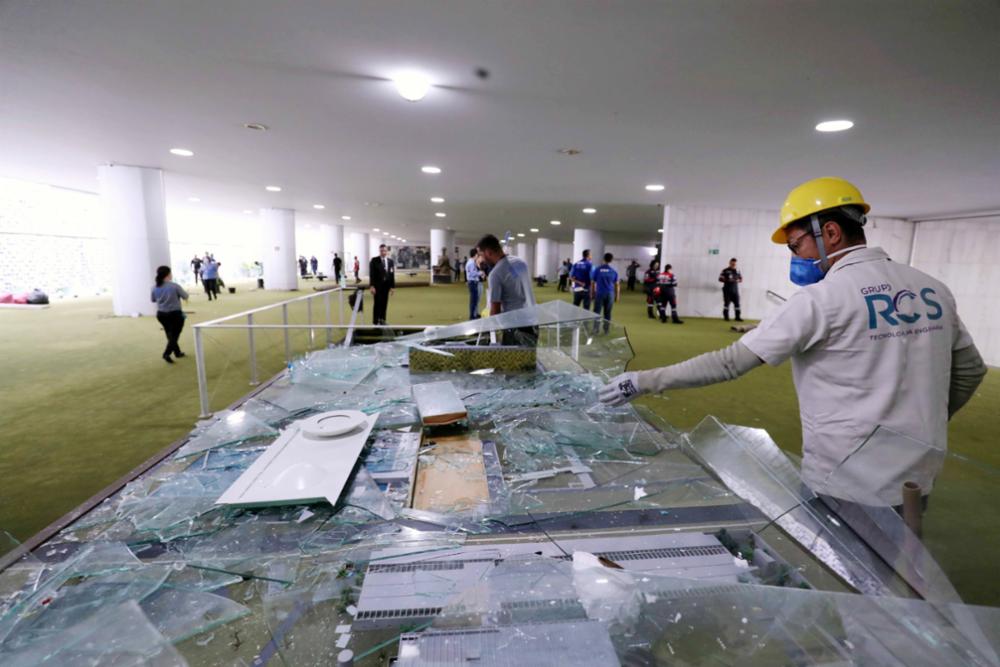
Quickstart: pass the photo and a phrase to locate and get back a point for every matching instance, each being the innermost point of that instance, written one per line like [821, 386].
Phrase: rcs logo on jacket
[902, 307]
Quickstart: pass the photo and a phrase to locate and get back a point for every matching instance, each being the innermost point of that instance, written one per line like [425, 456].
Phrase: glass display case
[541, 528]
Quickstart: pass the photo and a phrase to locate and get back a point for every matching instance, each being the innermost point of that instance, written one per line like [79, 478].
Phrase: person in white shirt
[877, 347]
[473, 276]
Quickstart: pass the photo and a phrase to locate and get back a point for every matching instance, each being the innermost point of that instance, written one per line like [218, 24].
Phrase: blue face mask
[805, 271]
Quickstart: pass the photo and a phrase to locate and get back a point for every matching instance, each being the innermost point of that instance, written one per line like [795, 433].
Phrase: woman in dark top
[167, 296]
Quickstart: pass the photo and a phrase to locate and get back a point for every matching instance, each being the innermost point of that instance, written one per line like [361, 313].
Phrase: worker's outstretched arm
[710, 368]
[967, 371]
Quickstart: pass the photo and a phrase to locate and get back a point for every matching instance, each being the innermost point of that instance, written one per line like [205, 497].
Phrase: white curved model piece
[309, 462]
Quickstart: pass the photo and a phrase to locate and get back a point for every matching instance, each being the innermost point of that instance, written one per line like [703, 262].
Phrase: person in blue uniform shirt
[605, 288]
[580, 278]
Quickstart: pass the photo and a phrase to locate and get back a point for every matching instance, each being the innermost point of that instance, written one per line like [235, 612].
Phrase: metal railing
[248, 321]
[251, 327]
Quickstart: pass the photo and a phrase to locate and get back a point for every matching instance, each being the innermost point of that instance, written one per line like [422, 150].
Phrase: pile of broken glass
[544, 528]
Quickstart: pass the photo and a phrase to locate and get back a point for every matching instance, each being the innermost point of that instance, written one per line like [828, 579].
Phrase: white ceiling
[717, 100]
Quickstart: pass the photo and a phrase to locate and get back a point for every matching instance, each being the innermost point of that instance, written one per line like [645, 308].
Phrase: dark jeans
[602, 306]
[582, 298]
[381, 305]
[173, 324]
[211, 287]
[197, 275]
[562, 283]
[631, 283]
[473, 299]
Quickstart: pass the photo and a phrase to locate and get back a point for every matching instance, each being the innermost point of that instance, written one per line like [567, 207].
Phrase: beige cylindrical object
[912, 507]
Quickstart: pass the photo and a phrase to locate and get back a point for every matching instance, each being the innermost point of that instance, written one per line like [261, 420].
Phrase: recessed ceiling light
[376, 229]
[430, 169]
[520, 234]
[654, 187]
[411, 86]
[441, 214]
[659, 231]
[260, 127]
[403, 240]
[248, 211]
[834, 125]
[345, 217]
[555, 222]
[194, 199]
[273, 188]
[183, 152]
[533, 230]
[437, 200]
[318, 207]
[590, 211]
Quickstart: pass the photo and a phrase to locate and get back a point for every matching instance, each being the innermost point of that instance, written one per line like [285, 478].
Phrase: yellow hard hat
[819, 194]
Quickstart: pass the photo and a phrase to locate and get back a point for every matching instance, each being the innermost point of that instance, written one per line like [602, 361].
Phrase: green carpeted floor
[85, 397]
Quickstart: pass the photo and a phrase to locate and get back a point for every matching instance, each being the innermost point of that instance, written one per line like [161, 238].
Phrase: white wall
[55, 239]
[694, 233]
[52, 239]
[962, 254]
[357, 245]
[624, 254]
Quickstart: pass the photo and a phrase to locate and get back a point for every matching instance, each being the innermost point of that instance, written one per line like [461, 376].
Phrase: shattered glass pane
[556, 530]
[227, 427]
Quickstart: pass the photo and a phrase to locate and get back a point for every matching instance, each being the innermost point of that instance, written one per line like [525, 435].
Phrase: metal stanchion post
[329, 319]
[309, 321]
[288, 343]
[253, 352]
[199, 359]
[576, 343]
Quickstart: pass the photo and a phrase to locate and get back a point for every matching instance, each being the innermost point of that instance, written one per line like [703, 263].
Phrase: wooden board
[454, 477]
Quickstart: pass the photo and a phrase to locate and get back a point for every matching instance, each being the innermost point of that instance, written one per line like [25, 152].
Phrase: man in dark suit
[382, 277]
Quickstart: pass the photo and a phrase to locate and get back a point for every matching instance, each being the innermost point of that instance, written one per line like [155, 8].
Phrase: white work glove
[622, 389]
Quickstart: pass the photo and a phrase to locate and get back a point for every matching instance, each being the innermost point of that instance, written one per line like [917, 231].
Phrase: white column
[277, 240]
[566, 252]
[526, 251]
[331, 241]
[588, 239]
[441, 239]
[546, 258]
[663, 236]
[358, 246]
[136, 222]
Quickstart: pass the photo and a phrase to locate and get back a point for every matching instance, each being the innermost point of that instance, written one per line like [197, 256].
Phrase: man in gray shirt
[510, 287]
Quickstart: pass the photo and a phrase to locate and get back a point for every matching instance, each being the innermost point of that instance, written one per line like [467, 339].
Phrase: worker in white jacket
[877, 348]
